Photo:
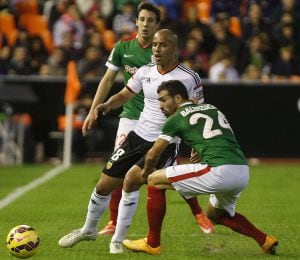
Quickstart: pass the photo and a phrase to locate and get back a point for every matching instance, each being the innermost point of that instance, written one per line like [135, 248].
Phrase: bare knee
[152, 180]
[107, 184]
[132, 181]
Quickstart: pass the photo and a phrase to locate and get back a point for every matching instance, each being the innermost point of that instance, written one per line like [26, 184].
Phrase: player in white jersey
[129, 157]
[148, 78]
[127, 56]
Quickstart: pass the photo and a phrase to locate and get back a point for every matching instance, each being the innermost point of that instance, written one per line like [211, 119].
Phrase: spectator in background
[124, 22]
[254, 23]
[286, 65]
[72, 52]
[92, 64]
[19, 63]
[22, 38]
[252, 72]
[190, 22]
[70, 22]
[195, 57]
[56, 62]
[166, 21]
[56, 11]
[87, 6]
[222, 37]
[287, 36]
[5, 52]
[37, 53]
[222, 68]
[286, 6]
[253, 53]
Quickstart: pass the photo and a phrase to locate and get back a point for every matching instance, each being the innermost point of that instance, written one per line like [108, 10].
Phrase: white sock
[97, 205]
[127, 208]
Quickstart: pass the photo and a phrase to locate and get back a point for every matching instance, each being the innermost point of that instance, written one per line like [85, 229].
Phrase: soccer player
[128, 55]
[128, 159]
[223, 171]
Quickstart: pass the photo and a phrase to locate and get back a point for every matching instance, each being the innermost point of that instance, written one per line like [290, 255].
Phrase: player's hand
[88, 123]
[102, 109]
[195, 158]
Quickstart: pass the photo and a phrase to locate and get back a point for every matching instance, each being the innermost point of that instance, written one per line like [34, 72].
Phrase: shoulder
[148, 67]
[129, 39]
[185, 69]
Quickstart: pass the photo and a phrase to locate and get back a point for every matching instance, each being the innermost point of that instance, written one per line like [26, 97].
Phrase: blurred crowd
[221, 40]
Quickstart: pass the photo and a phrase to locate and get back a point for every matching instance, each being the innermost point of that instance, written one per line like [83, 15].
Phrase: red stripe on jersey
[131, 37]
[189, 175]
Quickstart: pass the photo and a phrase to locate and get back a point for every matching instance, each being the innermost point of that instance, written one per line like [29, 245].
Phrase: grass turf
[58, 206]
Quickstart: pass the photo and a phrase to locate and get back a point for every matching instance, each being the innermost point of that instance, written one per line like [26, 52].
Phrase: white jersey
[148, 78]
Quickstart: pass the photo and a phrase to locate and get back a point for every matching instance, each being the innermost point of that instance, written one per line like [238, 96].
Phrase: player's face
[167, 103]
[146, 23]
[163, 50]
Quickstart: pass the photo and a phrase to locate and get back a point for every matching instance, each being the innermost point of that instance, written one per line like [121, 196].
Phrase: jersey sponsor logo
[128, 55]
[130, 70]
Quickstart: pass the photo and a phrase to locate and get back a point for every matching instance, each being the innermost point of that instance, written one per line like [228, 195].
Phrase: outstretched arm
[153, 156]
[114, 102]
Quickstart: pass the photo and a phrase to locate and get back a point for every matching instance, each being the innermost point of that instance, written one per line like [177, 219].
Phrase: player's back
[207, 130]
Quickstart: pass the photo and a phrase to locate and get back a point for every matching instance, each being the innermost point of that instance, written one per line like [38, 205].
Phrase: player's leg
[156, 208]
[113, 174]
[125, 126]
[127, 208]
[199, 214]
[221, 209]
[242, 225]
[132, 183]
[97, 205]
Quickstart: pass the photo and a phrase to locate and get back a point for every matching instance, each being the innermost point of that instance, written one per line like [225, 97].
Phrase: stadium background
[247, 53]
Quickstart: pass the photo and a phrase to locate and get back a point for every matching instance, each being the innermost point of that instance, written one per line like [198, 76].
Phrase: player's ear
[178, 99]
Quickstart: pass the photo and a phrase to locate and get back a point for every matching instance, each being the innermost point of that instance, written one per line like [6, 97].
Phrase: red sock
[242, 225]
[194, 205]
[114, 204]
[156, 209]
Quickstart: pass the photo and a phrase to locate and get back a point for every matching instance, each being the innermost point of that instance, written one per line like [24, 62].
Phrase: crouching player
[223, 172]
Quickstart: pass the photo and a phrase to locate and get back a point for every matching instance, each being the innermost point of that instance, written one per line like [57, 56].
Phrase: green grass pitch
[271, 201]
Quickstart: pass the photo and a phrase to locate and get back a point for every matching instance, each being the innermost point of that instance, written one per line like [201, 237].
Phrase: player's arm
[153, 156]
[103, 89]
[114, 102]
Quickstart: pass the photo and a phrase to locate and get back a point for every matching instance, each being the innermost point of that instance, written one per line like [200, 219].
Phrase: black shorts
[132, 152]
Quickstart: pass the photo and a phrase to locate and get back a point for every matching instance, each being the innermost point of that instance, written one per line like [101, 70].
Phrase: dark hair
[151, 8]
[174, 87]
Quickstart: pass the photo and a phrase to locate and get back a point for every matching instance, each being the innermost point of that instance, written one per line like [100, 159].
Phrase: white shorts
[125, 126]
[224, 183]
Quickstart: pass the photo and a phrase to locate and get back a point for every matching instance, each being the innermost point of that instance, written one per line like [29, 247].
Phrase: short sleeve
[135, 82]
[114, 61]
[170, 129]
[197, 91]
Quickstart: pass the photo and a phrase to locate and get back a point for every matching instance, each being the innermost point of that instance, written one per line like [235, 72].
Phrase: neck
[185, 102]
[144, 42]
[164, 68]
